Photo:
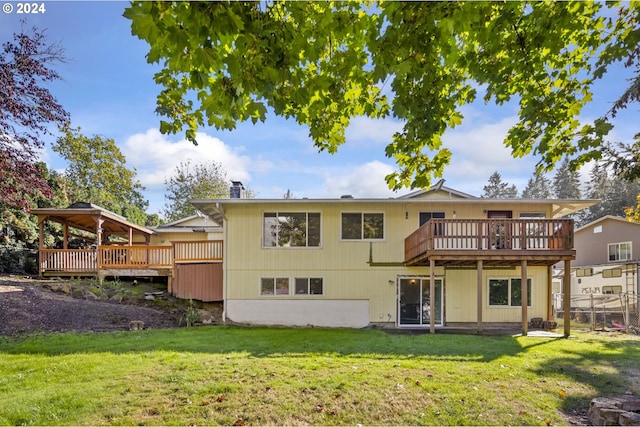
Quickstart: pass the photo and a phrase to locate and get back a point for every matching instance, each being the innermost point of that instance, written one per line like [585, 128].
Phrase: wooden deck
[497, 242]
[140, 259]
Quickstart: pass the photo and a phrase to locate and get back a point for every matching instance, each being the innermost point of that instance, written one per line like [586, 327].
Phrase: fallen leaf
[562, 393]
[239, 422]
[220, 398]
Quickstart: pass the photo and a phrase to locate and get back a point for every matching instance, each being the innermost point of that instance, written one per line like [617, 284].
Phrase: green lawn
[233, 375]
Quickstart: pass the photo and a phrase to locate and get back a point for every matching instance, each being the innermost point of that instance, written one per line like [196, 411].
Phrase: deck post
[549, 292]
[432, 295]
[524, 290]
[65, 236]
[566, 298]
[479, 296]
[40, 245]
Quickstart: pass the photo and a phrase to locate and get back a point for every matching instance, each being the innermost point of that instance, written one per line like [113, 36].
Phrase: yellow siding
[344, 267]
[461, 295]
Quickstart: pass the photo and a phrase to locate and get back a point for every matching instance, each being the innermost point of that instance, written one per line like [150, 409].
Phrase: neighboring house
[191, 228]
[431, 258]
[606, 261]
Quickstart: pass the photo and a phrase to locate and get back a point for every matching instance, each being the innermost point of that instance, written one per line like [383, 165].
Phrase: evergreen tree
[538, 187]
[497, 189]
[598, 187]
[566, 183]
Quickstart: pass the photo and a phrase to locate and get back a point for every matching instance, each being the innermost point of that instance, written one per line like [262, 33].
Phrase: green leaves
[323, 63]
[97, 173]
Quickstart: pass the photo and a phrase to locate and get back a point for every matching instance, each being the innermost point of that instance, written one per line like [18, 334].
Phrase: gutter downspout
[225, 251]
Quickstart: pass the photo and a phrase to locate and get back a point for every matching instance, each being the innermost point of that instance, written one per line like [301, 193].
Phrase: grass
[223, 375]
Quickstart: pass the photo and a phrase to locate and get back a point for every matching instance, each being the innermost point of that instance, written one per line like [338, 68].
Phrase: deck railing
[128, 257]
[68, 260]
[204, 250]
[490, 235]
[134, 256]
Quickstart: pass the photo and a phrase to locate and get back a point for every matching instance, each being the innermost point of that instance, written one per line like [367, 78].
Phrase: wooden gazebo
[113, 245]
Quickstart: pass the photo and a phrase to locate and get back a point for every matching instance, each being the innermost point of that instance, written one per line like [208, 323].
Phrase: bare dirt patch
[29, 306]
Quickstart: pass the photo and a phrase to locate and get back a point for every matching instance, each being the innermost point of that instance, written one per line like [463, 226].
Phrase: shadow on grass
[268, 342]
[609, 368]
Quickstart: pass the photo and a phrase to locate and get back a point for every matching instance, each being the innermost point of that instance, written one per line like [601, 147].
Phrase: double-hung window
[362, 226]
[507, 292]
[620, 251]
[290, 229]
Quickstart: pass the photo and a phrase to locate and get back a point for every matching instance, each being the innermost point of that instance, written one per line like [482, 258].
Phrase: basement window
[309, 286]
[274, 286]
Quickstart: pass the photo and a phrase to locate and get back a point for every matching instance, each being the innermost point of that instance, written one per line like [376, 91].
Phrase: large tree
[97, 173]
[615, 193]
[496, 188]
[27, 111]
[566, 182]
[323, 63]
[19, 231]
[538, 187]
[193, 181]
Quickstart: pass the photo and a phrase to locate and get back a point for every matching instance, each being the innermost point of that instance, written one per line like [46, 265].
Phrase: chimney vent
[236, 191]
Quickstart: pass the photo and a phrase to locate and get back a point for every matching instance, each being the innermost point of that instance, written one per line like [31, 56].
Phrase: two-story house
[433, 258]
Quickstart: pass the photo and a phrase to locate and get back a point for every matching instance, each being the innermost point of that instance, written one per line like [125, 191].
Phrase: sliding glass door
[414, 301]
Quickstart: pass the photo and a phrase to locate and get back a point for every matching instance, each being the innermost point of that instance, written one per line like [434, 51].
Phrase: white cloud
[366, 180]
[363, 130]
[155, 157]
[478, 150]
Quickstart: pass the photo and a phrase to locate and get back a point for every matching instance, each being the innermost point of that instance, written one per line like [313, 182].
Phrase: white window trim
[532, 215]
[618, 244]
[275, 281]
[277, 212]
[362, 239]
[308, 295]
[508, 306]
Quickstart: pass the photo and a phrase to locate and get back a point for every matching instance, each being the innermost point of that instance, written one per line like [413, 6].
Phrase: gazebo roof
[87, 217]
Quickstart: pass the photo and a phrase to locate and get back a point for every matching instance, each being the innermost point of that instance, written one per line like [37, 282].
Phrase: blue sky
[109, 90]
